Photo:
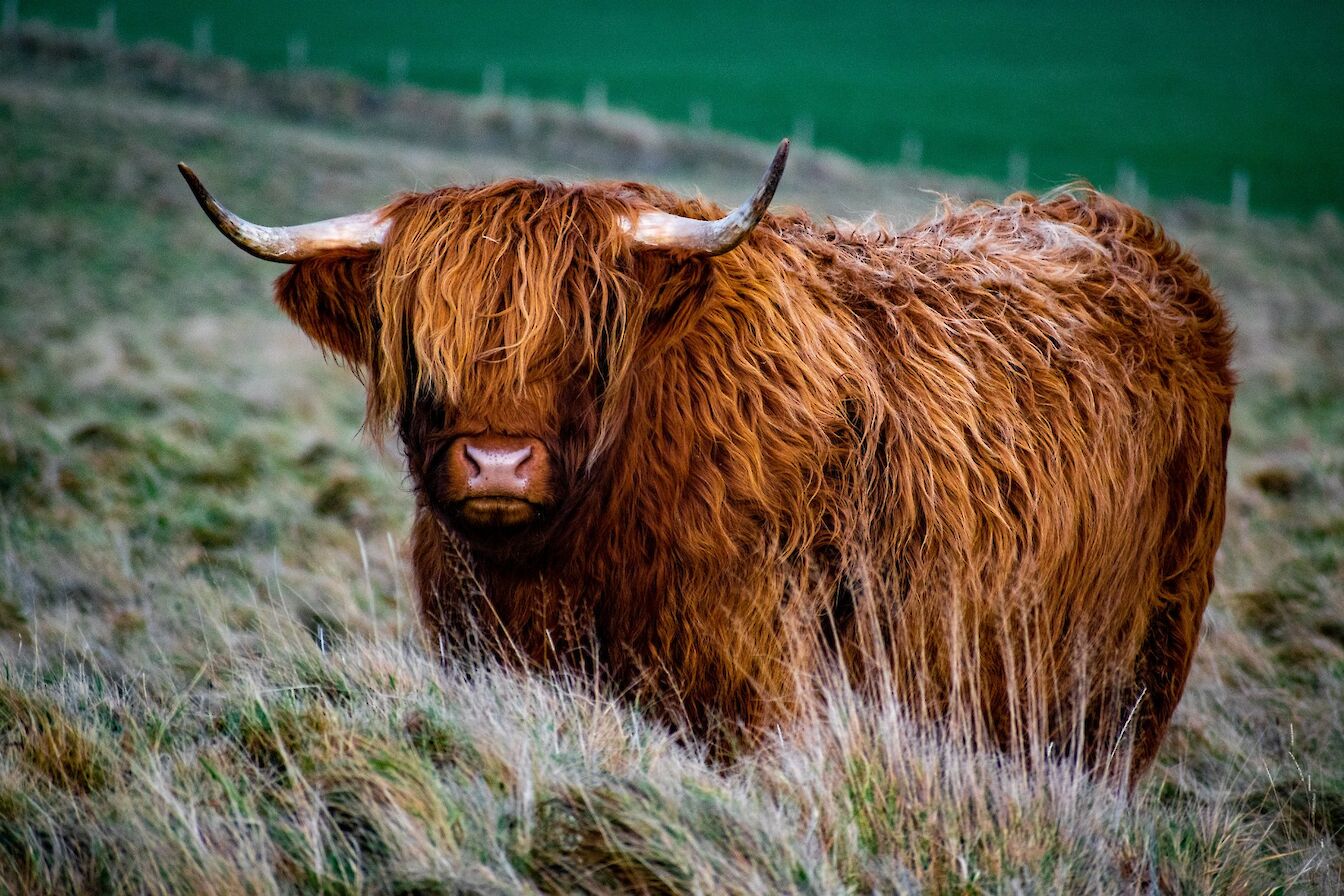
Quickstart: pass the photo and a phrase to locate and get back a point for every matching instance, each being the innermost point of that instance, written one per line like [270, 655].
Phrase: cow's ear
[330, 297]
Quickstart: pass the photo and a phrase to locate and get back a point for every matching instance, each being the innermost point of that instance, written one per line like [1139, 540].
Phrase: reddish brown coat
[981, 460]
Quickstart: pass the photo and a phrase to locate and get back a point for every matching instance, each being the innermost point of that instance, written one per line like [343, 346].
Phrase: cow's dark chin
[499, 525]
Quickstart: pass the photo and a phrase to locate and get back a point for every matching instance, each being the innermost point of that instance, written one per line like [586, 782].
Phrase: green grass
[1185, 92]
[211, 679]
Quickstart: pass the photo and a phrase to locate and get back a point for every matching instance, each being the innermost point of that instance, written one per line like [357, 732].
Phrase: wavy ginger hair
[980, 461]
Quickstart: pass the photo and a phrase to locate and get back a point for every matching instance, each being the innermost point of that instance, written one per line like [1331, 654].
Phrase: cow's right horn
[660, 230]
[365, 230]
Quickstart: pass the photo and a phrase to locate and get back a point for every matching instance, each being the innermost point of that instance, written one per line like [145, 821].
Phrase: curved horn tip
[192, 180]
[739, 223]
[766, 192]
[217, 214]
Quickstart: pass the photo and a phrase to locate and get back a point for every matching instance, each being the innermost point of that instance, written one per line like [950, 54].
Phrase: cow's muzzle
[498, 482]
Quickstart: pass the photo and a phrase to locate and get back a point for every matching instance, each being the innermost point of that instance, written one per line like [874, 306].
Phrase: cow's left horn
[365, 230]
[661, 230]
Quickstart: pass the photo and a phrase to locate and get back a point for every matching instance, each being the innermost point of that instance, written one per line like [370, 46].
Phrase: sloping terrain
[210, 679]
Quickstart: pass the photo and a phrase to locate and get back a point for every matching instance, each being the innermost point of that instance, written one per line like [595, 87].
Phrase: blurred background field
[1174, 97]
[210, 677]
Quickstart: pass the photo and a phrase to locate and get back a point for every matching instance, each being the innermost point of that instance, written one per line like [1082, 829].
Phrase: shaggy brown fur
[980, 460]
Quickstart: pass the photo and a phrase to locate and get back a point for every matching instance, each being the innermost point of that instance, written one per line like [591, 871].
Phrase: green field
[1183, 92]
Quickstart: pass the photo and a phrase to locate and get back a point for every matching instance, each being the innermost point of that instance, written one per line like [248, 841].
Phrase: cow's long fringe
[980, 461]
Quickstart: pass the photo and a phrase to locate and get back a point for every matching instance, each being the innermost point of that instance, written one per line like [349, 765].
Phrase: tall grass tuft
[365, 767]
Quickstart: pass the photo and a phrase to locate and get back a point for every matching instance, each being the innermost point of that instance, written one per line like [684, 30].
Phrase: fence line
[1129, 185]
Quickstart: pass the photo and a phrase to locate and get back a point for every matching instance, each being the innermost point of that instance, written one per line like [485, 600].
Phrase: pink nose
[490, 466]
[497, 469]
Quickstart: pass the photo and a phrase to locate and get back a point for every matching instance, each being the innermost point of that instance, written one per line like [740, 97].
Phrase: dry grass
[210, 679]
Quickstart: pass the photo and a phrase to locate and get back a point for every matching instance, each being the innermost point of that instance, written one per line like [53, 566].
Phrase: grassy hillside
[210, 677]
[1184, 92]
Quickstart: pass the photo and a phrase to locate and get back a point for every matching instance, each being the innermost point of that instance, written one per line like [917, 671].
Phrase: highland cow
[981, 460]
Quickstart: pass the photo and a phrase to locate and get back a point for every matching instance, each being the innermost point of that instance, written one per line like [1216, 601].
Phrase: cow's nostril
[473, 468]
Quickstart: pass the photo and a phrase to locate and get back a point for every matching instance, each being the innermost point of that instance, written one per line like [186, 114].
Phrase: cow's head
[495, 325]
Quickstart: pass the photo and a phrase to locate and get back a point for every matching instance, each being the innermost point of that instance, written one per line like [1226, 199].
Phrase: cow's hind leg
[1162, 669]
[1197, 485]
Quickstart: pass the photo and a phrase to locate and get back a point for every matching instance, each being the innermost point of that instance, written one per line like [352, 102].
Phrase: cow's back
[1058, 385]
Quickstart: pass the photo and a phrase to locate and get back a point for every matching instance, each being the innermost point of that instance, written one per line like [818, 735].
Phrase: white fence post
[492, 82]
[1126, 181]
[296, 51]
[912, 150]
[1130, 187]
[202, 37]
[804, 131]
[107, 22]
[398, 67]
[1019, 169]
[1241, 196]
[700, 115]
[595, 98]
